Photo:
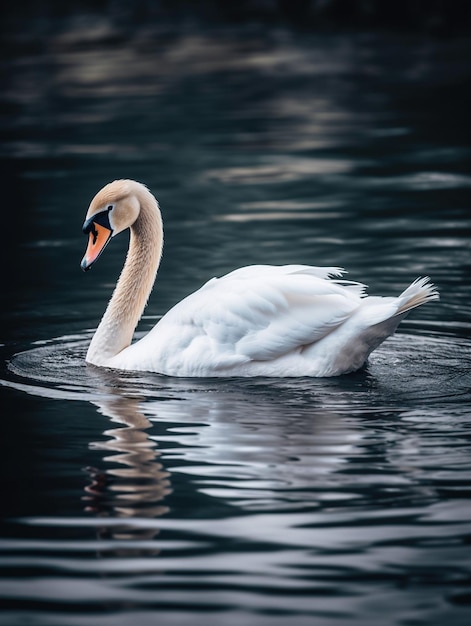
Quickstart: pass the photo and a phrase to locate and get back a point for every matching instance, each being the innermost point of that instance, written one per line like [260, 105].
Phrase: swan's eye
[110, 207]
[99, 219]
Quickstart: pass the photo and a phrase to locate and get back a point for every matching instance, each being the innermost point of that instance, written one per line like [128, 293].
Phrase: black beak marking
[101, 218]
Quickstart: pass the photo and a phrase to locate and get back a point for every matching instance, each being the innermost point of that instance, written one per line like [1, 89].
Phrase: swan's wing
[261, 313]
[255, 271]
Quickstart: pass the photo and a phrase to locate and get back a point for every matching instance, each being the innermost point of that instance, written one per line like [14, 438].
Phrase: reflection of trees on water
[134, 483]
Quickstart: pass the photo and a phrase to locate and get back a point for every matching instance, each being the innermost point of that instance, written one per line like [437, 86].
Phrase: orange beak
[98, 237]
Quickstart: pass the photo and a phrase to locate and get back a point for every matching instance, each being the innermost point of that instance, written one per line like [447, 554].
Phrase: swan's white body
[260, 320]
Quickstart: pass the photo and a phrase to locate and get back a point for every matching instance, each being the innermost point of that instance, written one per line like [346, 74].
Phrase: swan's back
[261, 320]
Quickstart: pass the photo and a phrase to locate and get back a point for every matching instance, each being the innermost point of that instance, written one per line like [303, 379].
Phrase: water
[135, 498]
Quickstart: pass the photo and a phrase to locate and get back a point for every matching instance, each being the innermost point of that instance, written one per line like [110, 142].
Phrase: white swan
[261, 320]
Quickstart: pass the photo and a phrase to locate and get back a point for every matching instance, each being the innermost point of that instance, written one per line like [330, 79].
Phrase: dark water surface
[139, 499]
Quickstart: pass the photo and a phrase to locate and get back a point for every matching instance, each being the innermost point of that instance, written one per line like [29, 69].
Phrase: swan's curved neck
[129, 299]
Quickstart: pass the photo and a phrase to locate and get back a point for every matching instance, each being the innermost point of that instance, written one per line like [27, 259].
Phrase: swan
[260, 320]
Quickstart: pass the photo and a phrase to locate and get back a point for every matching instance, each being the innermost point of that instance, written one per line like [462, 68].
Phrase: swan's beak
[99, 233]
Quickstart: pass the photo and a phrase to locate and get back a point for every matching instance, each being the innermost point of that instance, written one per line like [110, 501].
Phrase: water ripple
[57, 369]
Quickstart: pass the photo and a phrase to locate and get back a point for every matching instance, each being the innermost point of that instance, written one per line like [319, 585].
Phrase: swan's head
[113, 209]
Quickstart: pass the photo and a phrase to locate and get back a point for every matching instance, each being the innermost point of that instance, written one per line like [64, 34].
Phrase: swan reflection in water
[134, 483]
[241, 447]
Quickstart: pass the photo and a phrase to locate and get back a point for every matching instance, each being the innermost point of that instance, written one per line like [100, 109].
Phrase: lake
[137, 498]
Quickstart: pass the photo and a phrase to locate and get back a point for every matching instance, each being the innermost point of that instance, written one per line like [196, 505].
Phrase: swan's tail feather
[420, 292]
